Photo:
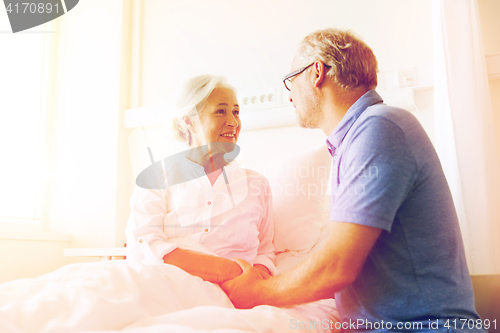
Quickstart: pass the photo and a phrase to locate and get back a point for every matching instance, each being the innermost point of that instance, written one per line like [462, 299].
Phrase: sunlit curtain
[465, 134]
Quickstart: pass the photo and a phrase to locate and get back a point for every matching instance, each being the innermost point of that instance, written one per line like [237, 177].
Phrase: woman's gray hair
[352, 63]
[192, 99]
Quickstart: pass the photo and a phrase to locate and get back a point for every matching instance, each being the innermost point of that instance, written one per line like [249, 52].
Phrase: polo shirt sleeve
[375, 174]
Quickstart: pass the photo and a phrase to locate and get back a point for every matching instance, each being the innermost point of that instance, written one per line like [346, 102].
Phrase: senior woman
[218, 204]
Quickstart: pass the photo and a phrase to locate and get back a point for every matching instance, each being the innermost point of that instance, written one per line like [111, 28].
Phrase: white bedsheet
[111, 296]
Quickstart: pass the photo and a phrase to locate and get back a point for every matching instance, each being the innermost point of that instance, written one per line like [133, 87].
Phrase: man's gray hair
[352, 63]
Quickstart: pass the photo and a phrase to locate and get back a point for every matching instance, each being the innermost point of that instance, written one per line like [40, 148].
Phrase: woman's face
[219, 121]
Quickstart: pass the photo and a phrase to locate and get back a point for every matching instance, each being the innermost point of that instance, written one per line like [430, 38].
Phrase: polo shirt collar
[370, 98]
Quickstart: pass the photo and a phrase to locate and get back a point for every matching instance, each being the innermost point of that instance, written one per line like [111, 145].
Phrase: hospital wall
[489, 12]
[30, 257]
[253, 43]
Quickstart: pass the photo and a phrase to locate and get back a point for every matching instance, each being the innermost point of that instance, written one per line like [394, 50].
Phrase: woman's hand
[263, 271]
[232, 270]
[209, 268]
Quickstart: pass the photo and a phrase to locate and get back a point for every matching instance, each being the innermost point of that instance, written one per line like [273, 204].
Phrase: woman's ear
[189, 123]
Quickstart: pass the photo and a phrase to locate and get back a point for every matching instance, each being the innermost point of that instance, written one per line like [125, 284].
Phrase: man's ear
[319, 70]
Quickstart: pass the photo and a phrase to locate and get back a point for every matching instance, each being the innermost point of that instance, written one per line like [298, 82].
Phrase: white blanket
[110, 296]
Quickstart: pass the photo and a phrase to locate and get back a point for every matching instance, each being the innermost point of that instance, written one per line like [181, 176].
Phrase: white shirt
[232, 219]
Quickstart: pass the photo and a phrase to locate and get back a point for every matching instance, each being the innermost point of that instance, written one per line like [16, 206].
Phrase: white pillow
[299, 186]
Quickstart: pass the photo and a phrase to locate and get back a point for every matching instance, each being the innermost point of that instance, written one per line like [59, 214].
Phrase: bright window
[24, 65]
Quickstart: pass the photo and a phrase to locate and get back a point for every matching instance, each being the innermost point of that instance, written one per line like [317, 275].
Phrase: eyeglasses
[287, 80]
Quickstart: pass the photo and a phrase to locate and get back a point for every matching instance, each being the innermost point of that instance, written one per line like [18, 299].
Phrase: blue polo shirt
[386, 174]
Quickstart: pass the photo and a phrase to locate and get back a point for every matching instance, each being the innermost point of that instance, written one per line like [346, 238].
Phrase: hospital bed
[119, 295]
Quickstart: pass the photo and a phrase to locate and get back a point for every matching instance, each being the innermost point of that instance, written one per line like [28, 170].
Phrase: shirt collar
[232, 169]
[189, 165]
[370, 98]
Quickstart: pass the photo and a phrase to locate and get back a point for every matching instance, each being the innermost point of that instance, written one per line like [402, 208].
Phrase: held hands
[231, 270]
[263, 271]
[243, 290]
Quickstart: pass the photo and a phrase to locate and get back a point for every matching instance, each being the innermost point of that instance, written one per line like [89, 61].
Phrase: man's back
[387, 175]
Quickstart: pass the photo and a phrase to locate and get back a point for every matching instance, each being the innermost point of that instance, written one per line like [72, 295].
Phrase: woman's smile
[229, 136]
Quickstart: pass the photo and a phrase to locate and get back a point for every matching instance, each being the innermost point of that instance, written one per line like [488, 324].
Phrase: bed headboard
[266, 133]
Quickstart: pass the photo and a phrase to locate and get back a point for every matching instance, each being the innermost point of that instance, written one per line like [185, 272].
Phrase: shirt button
[140, 240]
[209, 203]
[206, 230]
[335, 157]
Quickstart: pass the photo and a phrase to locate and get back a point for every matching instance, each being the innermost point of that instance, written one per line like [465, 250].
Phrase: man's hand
[243, 290]
[319, 276]
[263, 271]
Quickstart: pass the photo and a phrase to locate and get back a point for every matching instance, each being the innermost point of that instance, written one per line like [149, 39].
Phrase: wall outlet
[407, 78]
[253, 100]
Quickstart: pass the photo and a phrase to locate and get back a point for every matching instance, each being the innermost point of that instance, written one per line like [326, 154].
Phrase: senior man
[395, 253]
